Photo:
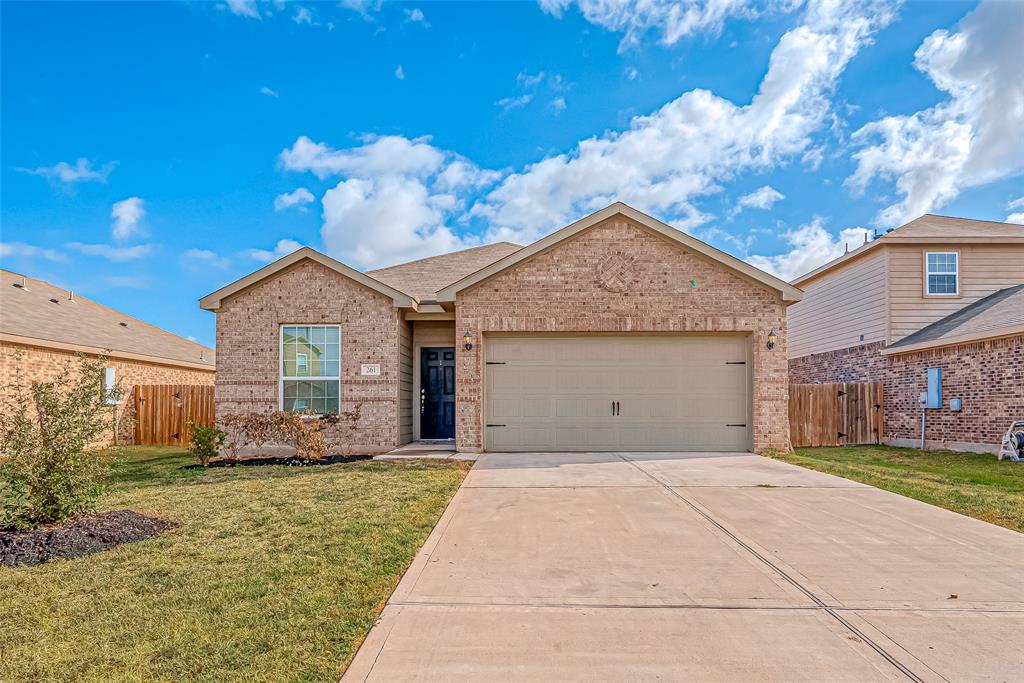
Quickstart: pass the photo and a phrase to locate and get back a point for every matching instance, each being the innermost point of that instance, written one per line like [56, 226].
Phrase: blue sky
[153, 152]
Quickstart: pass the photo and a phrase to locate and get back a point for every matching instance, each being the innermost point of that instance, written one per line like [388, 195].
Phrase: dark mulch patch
[290, 461]
[83, 536]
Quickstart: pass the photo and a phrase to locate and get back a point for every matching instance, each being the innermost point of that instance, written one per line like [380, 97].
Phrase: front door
[437, 393]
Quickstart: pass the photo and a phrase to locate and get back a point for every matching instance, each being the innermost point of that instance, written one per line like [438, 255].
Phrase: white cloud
[397, 199]
[127, 215]
[558, 104]
[11, 249]
[632, 73]
[298, 197]
[415, 16]
[400, 73]
[529, 81]
[204, 258]
[695, 142]
[391, 218]
[282, 248]
[112, 253]
[303, 16]
[672, 19]
[81, 171]
[385, 154]
[507, 103]
[811, 246]
[127, 281]
[761, 198]
[244, 8]
[364, 8]
[1015, 217]
[970, 138]
[268, 92]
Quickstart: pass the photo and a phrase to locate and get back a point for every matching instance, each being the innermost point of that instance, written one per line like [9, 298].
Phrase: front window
[942, 276]
[310, 368]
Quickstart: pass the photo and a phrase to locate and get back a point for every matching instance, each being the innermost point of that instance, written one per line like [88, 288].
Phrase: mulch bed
[83, 536]
[291, 461]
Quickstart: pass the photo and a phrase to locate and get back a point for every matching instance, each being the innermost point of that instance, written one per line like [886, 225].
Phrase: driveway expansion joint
[796, 584]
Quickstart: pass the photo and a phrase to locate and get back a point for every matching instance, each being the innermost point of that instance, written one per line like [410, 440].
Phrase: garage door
[621, 393]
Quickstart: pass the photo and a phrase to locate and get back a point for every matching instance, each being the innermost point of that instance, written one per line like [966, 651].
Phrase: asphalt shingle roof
[422, 279]
[30, 311]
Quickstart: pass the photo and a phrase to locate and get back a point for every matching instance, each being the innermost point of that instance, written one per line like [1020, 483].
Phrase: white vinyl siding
[311, 368]
[841, 309]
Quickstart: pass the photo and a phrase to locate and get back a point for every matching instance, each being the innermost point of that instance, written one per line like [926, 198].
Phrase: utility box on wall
[934, 394]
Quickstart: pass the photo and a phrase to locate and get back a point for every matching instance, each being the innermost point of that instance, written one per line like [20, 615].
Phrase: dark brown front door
[437, 393]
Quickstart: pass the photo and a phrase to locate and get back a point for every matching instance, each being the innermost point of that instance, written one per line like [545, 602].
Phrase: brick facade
[559, 291]
[29, 364]
[988, 376]
[248, 347]
[861, 363]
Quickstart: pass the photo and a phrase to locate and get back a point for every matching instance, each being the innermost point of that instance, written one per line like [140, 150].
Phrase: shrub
[49, 432]
[304, 431]
[206, 442]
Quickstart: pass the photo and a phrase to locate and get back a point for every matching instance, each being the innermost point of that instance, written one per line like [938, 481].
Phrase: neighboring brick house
[43, 328]
[938, 292]
[617, 332]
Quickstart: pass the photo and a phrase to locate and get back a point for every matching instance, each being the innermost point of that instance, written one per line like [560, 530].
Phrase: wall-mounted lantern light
[772, 338]
[467, 339]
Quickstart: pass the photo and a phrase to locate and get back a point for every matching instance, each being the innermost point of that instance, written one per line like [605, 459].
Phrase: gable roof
[999, 314]
[789, 292]
[35, 312]
[929, 229]
[422, 278]
[211, 302]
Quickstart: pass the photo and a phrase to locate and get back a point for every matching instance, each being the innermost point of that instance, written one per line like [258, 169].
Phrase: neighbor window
[310, 368]
[942, 274]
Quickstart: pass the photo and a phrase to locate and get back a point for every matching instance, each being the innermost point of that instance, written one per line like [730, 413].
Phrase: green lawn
[274, 574]
[969, 483]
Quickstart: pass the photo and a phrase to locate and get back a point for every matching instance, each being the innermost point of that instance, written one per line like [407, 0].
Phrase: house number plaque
[370, 370]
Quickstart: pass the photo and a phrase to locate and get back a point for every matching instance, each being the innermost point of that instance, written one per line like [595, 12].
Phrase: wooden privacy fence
[835, 414]
[163, 411]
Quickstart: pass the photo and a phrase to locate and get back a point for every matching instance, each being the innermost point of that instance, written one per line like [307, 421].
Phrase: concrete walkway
[711, 566]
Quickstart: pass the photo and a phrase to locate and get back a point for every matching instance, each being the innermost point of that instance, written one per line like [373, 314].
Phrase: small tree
[206, 442]
[49, 433]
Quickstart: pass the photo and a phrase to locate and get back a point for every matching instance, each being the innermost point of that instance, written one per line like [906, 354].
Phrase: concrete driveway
[697, 566]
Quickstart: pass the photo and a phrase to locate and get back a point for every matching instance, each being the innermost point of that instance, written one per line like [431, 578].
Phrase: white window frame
[955, 274]
[320, 378]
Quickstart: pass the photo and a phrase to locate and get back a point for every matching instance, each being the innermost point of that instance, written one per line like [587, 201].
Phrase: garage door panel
[673, 392]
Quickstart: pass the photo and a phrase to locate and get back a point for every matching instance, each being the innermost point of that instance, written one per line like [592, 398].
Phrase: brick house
[938, 292]
[43, 328]
[617, 332]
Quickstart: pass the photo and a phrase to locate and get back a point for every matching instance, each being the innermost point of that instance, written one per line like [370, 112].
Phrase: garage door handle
[490, 425]
[736, 425]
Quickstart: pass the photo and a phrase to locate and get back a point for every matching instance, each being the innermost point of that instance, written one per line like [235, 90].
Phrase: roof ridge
[959, 218]
[447, 253]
